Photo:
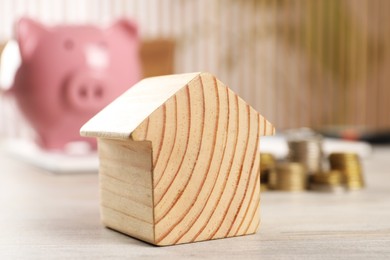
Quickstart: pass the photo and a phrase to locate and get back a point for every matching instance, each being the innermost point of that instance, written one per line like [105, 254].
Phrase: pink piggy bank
[69, 73]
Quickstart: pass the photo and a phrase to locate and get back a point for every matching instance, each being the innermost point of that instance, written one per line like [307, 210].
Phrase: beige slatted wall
[299, 62]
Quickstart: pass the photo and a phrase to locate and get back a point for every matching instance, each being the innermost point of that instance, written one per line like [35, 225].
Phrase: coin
[330, 181]
[263, 187]
[327, 188]
[305, 146]
[290, 176]
[267, 167]
[349, 165]
[333, 177]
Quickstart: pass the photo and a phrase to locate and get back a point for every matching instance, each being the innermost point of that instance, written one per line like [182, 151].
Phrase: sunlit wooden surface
[57, 216]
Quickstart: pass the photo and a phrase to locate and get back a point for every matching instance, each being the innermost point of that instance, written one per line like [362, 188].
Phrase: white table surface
[49, 216]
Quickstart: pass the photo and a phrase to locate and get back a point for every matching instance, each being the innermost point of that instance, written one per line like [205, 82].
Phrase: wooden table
[45, 216]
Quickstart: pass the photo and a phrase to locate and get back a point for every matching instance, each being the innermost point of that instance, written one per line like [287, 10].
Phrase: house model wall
[179, 160]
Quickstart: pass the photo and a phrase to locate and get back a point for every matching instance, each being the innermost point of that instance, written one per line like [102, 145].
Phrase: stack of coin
[267, 169]
[331, 181]
[349, 165]
[290, 176]
[306, 148]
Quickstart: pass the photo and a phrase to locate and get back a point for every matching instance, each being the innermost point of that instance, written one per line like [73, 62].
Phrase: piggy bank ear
[28, 34]
[125, 26]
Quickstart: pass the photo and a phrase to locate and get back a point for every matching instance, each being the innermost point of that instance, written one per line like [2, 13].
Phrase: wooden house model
[179, 160]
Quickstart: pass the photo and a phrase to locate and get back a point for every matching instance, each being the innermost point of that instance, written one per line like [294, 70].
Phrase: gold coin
[333, 177]
[272, 177]
[306, 150]
[267, 164]
[290, 176]
[349, 165]
[263, 187]
[327, 188]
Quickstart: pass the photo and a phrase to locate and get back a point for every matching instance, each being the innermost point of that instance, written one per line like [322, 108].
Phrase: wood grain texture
[204, 163]
[126, 187]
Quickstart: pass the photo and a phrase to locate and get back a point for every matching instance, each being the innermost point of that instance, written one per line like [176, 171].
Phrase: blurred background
[319, 64]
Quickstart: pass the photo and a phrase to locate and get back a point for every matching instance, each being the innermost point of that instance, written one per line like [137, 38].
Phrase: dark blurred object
[157, 57]
[373, 136]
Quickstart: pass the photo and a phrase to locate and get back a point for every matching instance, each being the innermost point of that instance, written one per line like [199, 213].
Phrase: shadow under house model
[179, 160]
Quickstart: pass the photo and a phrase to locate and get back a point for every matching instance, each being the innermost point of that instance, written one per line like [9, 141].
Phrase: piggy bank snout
[86, 92]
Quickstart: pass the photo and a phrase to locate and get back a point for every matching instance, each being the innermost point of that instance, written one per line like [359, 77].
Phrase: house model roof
[125, 114]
